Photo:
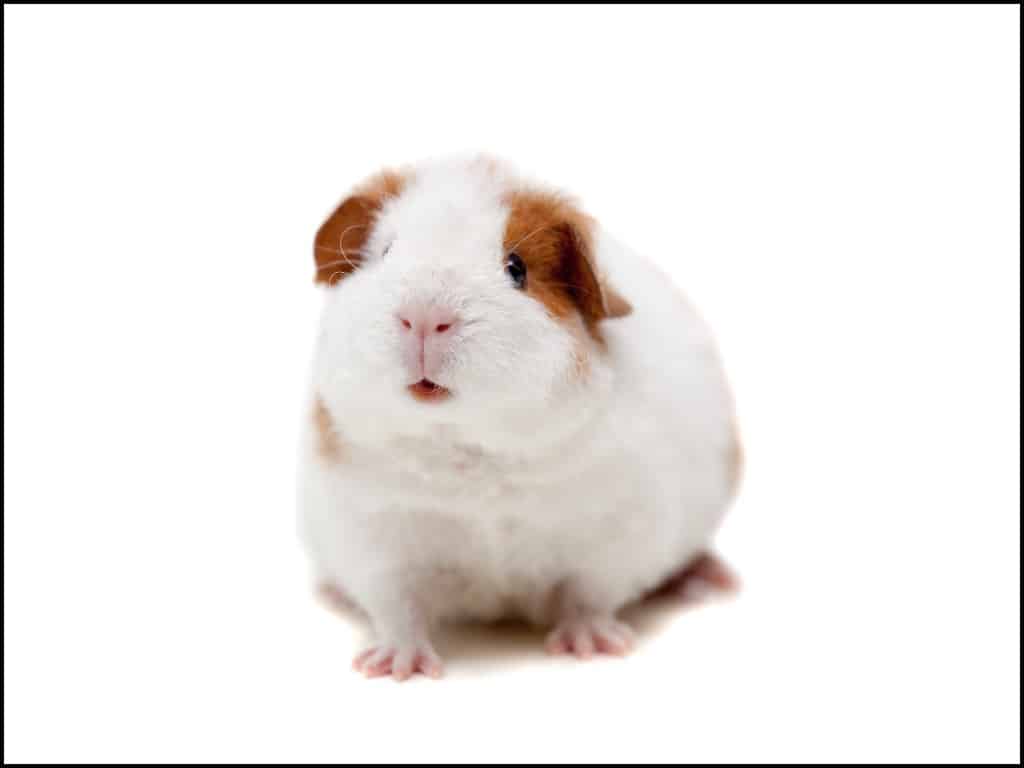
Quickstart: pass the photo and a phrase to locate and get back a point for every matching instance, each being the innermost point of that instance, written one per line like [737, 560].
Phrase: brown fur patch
[339, 242]
[328, 443]
[553, 238]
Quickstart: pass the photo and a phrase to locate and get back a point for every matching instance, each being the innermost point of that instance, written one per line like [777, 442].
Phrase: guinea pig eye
[516, 270]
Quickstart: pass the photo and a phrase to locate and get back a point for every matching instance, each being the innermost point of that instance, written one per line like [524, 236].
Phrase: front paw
[400, 660]
[586, 636]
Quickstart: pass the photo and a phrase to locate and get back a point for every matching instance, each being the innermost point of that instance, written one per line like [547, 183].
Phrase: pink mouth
[427, 391]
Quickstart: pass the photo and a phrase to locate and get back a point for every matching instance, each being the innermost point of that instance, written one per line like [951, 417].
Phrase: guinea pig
[512, 415]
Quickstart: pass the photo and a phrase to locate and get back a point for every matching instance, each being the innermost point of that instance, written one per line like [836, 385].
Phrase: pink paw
[585, 637]
[399, 661]
[706, 577]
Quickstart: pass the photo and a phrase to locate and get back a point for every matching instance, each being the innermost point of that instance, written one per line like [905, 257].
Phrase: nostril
[405, 323]
[443, 327]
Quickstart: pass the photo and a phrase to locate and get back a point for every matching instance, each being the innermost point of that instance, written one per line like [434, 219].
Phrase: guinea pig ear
[616, 304]
[577, 271]
[596, 299]
[338, 247]
[554, 240]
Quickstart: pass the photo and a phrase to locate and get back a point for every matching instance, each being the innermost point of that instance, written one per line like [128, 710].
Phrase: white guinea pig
[512, 415]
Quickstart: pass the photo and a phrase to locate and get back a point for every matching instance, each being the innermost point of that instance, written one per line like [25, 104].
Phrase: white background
[837, 189]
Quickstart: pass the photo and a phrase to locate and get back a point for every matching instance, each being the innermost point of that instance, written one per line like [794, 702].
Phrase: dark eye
[516, 270]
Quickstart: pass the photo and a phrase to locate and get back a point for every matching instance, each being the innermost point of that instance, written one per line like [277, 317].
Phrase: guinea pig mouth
[427, 391]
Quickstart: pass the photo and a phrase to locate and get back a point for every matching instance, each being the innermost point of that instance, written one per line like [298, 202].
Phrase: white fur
[528, 479]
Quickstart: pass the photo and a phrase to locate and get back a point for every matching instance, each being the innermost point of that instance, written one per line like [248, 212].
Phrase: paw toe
[586, 638]
[400, 663]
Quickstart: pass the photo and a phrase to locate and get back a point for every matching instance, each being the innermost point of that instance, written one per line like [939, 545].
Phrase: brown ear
[338, 247]
[577, 272]
[615, 304]
[553, 238]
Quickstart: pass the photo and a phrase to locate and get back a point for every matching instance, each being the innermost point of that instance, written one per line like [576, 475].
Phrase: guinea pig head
[455, 290]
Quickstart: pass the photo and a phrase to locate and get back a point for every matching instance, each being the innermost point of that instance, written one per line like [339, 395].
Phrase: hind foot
[707, 576]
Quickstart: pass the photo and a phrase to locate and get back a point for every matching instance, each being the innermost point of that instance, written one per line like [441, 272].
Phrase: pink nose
[425, 335]
[426, 321]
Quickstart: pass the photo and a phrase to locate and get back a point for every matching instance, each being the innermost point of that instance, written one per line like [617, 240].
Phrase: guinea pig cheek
[581, 343]
[579, 369]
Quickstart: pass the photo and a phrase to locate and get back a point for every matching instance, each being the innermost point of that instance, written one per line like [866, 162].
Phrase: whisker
[326, 248]
[345, 260]
[521, 240]
[341, 238]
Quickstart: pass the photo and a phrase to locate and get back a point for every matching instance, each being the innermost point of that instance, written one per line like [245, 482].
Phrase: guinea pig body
[512, 415]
